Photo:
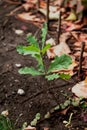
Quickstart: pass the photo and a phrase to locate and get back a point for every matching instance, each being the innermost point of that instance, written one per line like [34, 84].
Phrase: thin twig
[18, 118]
[47, 17]
[59, 26]
[81, 57]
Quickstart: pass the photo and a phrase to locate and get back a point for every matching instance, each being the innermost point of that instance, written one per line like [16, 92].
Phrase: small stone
[21, 92]
[5, 113]
[18, 65]
[19, 32]
[29, 34]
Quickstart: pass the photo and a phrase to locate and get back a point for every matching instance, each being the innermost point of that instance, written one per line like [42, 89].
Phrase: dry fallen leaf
[30, 18]
[43, 4]
[58, 2]
[51, 42]
[65, 110]
[78, 46]
[71, 17]
[30, 128]
[32, 1]
[53, 15]
[80, 37]
[45, 128]
[28, 6]
[80, 89]
[69, 26]
[58, 50]
[85, 62]
[77, 54]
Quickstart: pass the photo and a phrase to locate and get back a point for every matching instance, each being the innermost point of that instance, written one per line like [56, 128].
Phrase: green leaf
[34, 122]
[47, 115]
[65, 76]
[83, 104]
[40, 62]
[67, 103]
[5, 123]
[34, 52]
[33, 41]
[24, 126]
[75, 103]
[44, 33]
[45, 48]
[38, 116]
[31, 70]
[59, 63]
[26, 50]
[52, 76]
[57, 107]
[62, 106]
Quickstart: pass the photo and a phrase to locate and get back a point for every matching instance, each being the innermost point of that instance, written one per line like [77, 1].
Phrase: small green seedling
[35, 120]
[37, 52]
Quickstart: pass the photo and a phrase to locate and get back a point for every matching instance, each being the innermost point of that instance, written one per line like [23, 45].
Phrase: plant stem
[59, 26]
[81, 57]
[69, 122]
[47, 17]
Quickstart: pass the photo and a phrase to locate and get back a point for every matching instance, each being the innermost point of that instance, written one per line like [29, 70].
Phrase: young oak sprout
[38, 52]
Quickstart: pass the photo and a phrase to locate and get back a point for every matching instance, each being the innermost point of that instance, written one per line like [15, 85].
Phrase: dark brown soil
[40, 95]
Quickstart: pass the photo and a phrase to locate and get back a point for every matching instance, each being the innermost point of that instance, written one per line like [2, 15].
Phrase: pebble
[5, 113]
[19, 32]
[20, 92]
[18, 65]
